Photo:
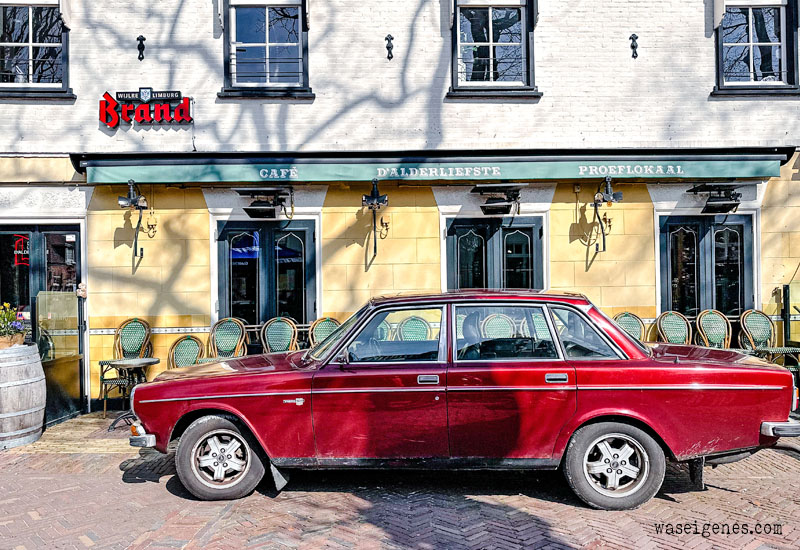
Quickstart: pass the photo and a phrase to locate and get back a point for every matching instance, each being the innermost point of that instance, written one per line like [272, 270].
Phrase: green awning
[111, 171]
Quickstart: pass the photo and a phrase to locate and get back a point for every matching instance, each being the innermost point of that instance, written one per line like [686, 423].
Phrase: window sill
[261, 93]
[755, 91]
[493, 93]
[37, 94]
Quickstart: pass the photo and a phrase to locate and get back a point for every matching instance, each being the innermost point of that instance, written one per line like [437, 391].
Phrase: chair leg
[105, 399]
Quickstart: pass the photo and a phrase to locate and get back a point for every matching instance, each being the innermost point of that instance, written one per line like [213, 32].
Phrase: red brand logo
[146, 107]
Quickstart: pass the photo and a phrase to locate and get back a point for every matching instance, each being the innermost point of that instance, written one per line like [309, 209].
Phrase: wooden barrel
[22, 396]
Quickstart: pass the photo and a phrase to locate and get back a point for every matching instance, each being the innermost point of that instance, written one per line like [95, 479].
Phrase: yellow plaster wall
[37, 170]
[624, 277]
[168, 287]
[408, 257]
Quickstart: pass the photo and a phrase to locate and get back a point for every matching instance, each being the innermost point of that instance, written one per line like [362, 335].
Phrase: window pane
[471, 260]
[579, 338]
[398, 335]
[60, 262]
[506, 25]
[244, 257]
[46, 25]
[15, 271]
[474, 24]
[291, 258]
[734, 26]
[284, 64]
[736, 63]
[13, 64]
[683, 267]
[14, 24]
[767, 25]
[517, 259]
[251, 64]
[767, 63]
[728, 262]
[251, 25]
[502, 332]
[508, 63]
[283, 25]
[47, 65]
[474, 63]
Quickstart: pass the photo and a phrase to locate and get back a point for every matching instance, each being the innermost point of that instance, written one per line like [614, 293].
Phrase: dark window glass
[506, 25]
[251, 26]
[283, 25]
[291, 284]
[47, 65]
[398, 335]
[683, 267]
[15, 270]
[735, 27]
[14, 24]
[471, 261]
[46, 25]
[490, 45]
[728, 269]
[579, 339]
[251, 64]
[752, 45]
[503, 332]
[13, 64]
[60, 262]
[244, 257]
[518, 259]
[284, 64]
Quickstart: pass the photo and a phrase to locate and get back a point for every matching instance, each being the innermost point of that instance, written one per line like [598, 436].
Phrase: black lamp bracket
[374, 201]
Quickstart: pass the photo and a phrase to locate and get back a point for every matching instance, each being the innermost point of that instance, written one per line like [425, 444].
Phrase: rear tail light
[796, 398]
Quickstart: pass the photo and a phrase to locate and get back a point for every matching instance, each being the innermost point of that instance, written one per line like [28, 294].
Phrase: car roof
[462, 295]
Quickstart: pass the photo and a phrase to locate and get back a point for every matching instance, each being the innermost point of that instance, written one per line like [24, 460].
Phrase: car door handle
[428, 379]
[556, 378]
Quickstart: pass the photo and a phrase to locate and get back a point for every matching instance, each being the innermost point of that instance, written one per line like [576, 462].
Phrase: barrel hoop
[20, 432]
[21, 382]
[20, 413]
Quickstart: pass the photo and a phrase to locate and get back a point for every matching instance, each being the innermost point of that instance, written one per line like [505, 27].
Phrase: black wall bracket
[389, 46]
[634, 45]
[141, 40]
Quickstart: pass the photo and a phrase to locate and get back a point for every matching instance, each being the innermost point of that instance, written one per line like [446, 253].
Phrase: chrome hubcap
[220, 459]
[616, 465]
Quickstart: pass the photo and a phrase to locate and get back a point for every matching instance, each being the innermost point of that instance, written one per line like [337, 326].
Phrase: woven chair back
[227, 338]
[674, 328]
[279, 334]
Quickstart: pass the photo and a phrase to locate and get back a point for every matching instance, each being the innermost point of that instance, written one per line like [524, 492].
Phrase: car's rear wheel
[614, 466]
[217, 460]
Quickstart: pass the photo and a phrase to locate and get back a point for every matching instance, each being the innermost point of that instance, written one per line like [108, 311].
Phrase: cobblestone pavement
[81, 487]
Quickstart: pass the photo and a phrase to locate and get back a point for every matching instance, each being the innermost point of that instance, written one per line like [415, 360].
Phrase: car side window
[579, 339]
[502, 332]
[398, 335]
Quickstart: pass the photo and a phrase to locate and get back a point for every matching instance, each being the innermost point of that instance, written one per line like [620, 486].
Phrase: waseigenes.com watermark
[709, 529]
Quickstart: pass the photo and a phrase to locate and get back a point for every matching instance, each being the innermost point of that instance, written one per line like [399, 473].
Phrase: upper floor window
[32, 46]
[493, 46]
[267, 46]
[756, 45]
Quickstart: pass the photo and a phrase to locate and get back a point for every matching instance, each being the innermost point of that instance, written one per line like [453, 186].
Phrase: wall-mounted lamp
[268, 201]
[722, 199]
[502, 199]
[375, 201]
[134, 201]
[605, 194]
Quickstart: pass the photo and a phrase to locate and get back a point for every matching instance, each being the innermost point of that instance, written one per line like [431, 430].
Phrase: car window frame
[560, 356]
[441, 349]
[621, 355]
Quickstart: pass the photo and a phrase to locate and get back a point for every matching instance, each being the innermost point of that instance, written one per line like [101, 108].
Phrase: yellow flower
[6, 304]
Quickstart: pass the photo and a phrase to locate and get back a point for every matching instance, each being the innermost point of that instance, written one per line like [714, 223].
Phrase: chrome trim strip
[383, 390]
[684, 387]
[194, 398]
[512, 388]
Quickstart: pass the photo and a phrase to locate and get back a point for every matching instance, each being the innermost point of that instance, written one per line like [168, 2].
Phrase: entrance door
[267, 269]
[707, 263]
[40, 273]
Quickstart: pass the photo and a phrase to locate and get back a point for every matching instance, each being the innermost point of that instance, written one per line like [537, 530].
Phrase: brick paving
[82, 487]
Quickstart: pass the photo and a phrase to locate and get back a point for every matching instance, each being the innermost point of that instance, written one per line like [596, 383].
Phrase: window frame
[279, 90]
[560, 356]
[39, 90]
[442, 347]
[789, 54]
[530, 13]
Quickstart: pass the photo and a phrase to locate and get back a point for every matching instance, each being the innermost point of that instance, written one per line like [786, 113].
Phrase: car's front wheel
[614, 466]
[216, 460]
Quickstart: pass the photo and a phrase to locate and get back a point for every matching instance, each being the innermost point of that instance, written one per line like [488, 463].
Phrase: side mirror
[343, 358]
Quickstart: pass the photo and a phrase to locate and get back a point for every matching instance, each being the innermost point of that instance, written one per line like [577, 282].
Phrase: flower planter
[22, 396]
[12, 340]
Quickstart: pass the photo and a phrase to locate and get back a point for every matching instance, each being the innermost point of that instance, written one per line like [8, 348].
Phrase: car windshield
[323, 347]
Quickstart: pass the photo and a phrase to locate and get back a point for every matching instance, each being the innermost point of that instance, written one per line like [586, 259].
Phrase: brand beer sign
[145, 107]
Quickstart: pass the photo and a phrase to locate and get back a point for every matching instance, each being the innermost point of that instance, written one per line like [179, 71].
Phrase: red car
[475, 380]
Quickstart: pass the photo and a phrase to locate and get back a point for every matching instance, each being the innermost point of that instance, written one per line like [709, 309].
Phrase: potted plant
[12, 331]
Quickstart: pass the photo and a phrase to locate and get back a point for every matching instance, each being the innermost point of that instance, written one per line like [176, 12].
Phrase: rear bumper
[142, 438]
[790, 428]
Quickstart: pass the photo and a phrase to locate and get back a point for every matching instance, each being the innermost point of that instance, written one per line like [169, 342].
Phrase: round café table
[134, 370]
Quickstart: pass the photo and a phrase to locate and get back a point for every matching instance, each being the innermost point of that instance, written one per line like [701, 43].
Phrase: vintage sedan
[474, 380]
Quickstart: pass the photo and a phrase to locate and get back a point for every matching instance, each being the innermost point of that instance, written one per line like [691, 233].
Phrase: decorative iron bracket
[141, 40]
[634, 45]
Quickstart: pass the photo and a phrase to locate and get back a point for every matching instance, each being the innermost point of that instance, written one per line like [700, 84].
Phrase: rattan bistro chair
[674, 328]
[413, 329]
[227, 339]
[279, 334]
[498, 325]
[713, 329]
[631, 323]
[184, 352]
[321, 329]
[758, 334]
[131, 340]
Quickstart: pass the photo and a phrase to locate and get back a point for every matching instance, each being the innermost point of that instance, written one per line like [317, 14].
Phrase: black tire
[587, 450]
[198, 470]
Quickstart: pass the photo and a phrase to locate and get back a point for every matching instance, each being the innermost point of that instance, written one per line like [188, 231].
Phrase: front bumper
[140, 437]
[790, 428]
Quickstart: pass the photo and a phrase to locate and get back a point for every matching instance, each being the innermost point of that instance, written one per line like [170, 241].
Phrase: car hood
[673, 353]
[251, 364]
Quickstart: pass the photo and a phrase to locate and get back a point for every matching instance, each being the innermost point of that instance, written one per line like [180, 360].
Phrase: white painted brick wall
[595, 94]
